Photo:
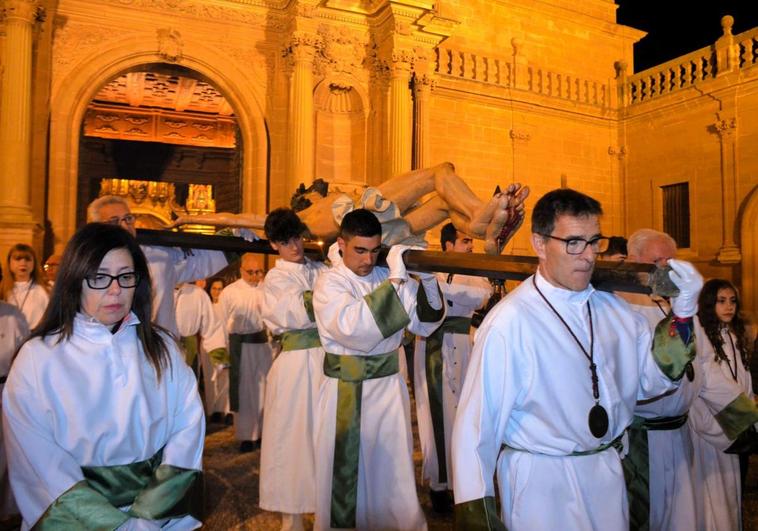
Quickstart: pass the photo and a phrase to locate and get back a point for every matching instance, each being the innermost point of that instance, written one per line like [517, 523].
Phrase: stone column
[422, 88]
[16, 223]
[726, 129]
[301, 124]
[400, 117]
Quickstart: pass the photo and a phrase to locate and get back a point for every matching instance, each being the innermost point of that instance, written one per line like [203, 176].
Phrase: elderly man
[251, 357]
[168, 266]
[364, 445]
[440, 363]
[556, 370]
[658, 468]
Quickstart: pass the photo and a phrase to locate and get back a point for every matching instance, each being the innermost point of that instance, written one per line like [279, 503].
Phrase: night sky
[676, 28]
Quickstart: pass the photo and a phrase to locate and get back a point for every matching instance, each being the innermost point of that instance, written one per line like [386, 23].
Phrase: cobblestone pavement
[232, 489]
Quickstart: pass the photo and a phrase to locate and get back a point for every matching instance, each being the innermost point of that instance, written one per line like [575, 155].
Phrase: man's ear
[341, 244]
[274, 245]
[538, 244]
[448, 247]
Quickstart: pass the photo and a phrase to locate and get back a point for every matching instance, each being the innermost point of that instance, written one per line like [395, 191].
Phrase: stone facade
[507, 90]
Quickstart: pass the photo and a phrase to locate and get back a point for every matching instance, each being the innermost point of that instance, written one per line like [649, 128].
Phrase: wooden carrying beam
[608, 276]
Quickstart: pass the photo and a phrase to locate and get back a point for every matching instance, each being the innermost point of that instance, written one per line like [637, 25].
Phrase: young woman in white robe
[25, 286]
[726, 343]
[104, 426]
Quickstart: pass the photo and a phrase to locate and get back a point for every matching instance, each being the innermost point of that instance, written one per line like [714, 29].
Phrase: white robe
[528, 386]
[386, 497]
[242, 305]
[288, 470]
[463, 296]
[217, 389]
[31, 299]
[195, 316]
[170, 266]
[670, 452]
[13, 330]
[94, 400]
[717, 475]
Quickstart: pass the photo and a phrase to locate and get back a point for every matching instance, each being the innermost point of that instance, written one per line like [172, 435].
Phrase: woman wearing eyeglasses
[103, 423]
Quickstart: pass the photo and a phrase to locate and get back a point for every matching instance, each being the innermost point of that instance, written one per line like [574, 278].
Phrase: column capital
[725, 127]
[27, 11]
[401, 62]
[302, 46]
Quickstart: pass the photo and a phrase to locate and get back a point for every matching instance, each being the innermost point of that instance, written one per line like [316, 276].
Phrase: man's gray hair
[640, 239]
[93, 210]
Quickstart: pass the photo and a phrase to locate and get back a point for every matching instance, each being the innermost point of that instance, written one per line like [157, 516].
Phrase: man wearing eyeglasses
[658, 467]
[168, 266]
[555, 373]
[251, 357]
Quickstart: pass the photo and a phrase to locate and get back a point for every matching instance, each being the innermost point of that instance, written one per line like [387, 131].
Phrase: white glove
[248, 235]
[139, 524]
[334, 254]
[395, 261]
[690, 282]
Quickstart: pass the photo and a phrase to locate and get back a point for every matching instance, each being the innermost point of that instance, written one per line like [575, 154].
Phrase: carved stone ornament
[170, 45]
[619, 153]
[519, 135]
[72, 42]
[202, 9]
[725, 126]
[341, 51]
[23, 11]
[302, 47]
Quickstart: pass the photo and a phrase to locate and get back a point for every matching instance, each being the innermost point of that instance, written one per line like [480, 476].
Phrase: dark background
[676, 28]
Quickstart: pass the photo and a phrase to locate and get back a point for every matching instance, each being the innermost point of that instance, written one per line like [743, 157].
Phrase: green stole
[191, 347]
[300, 339]
[434, 384]
[351, 371]
[155, 492]
[235, 350]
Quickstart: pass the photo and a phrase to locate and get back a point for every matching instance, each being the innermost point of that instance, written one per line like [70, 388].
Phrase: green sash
[478, 515]
[351, 371]
[615, 443]
[434, 383]
[235, 351]
[737, 416]
[300, 339]
[670, 353]
[636, 466]
[191, 347]
[155, 492]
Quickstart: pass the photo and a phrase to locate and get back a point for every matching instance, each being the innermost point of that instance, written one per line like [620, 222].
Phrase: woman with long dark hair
[725, 342]
[104, 426]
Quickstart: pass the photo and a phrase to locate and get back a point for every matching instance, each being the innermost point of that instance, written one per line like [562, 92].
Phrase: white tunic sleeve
[284, 305]
[496, 378]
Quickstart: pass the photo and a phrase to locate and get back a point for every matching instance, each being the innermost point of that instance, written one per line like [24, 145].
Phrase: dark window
[676, 213]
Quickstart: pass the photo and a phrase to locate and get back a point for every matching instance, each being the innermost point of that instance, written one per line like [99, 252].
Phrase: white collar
[554, 293]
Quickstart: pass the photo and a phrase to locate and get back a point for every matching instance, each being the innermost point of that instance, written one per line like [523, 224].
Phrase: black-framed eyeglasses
[104, 280]
[578, 245]
[129, 219]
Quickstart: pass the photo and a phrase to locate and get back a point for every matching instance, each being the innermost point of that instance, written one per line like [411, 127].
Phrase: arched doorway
[165, 139]
[73, 92]
[749, 249]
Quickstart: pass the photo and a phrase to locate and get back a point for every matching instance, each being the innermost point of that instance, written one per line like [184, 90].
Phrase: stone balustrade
[500, 71]
[730, 53]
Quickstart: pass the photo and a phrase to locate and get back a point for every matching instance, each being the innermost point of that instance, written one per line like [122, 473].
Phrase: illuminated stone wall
[507, 90]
